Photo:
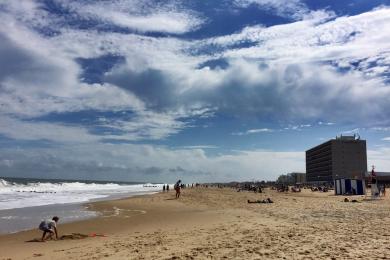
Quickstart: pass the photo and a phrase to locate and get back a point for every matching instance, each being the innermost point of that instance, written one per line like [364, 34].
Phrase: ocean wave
[4, 183]
[18, 195]
[6, 186]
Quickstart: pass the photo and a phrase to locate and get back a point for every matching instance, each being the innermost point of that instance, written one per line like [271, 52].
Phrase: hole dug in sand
[72, 236]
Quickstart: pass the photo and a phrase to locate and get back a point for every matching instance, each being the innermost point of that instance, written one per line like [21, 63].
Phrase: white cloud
[143, 16]
[255, 131]
[163, 22]
[260, 130]
[290, 8]
[292, 35]
[29, 12]
[200, 147]
[353, 131]
[379, 158]
[140, 162]
[298, 91]
[280, 86]
[318, 38]
[379, 128]
[145, 125]
[27, 130]
[296, 83]
[386, 139]
[40, 78]
[142, 126]
[325, 123]
[292, 73]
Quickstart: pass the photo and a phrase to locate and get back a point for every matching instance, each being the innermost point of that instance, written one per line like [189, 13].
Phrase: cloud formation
[162, 80]
[150, 163]
[142, 16]
[290, 8]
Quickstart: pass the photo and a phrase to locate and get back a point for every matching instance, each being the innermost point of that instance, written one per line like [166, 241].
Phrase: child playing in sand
[49, 226]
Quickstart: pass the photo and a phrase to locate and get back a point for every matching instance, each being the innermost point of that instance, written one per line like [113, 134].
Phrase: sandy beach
[212, 223]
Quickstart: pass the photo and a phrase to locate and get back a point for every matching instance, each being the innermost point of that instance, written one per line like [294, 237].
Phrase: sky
[204, 91]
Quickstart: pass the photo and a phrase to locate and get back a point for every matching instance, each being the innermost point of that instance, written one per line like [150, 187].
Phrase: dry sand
[212, 223]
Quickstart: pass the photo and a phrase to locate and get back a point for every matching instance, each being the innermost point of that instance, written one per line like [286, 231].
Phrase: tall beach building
[343, 157]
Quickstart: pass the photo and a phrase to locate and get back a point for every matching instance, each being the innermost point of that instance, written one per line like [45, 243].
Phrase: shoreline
[219, 223]
[112, 222]
[26, 218]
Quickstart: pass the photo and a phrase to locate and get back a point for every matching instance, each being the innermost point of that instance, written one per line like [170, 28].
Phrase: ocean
[25, 202]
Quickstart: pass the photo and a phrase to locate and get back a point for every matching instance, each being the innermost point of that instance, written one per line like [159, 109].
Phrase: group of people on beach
[178, 186]
[165, 187]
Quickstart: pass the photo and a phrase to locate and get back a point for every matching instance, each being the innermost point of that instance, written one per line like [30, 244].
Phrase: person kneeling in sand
[49, 226]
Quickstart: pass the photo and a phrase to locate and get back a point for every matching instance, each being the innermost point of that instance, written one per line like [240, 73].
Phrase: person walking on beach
[177, 188]
[167, 187]
[164, 188]
[49, 226]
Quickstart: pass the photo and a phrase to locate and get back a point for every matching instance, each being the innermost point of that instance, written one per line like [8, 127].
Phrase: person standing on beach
[49, 226]
[164, 188]
[177, 188]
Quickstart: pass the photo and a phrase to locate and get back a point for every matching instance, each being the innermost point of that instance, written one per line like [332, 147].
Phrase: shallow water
[25, 202]
[14, 220]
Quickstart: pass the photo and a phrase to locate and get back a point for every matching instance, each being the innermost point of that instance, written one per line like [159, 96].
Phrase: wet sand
[218, 224]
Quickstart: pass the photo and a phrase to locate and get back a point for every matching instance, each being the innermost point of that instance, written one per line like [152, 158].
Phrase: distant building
[300, 177]
[292, 178]
[343, 157]
[381, 177]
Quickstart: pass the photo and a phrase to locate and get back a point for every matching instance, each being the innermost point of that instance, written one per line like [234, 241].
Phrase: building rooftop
[348, 137]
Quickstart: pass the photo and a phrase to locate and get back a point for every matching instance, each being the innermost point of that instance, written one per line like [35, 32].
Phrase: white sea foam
[16, 195]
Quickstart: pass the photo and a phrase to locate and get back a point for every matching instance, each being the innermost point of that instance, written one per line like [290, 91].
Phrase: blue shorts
[45, 229]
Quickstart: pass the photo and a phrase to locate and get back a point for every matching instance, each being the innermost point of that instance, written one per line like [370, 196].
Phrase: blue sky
[198, 90]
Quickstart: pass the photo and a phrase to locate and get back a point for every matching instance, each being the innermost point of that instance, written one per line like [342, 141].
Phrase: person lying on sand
[268, 200]
[49, 226]
[347, 200]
